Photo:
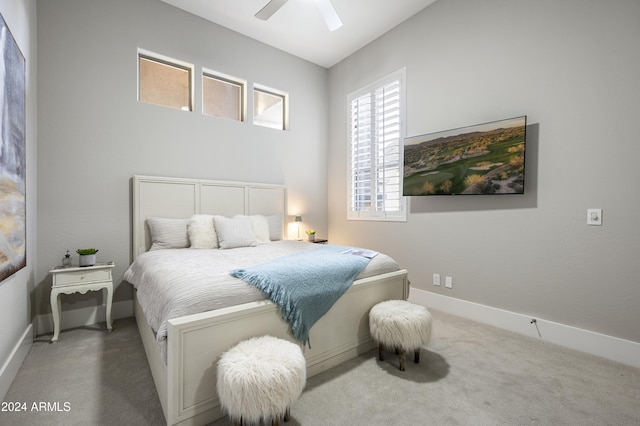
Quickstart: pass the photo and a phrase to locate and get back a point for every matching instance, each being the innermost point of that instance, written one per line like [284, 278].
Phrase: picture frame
[13, 236]
[483, 159]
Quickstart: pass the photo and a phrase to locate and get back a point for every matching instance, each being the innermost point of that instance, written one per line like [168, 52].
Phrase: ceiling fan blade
[329, 14]
[269, 9]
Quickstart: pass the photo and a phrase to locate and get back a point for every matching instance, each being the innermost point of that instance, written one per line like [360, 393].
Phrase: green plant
[87, 251]
[310, 231]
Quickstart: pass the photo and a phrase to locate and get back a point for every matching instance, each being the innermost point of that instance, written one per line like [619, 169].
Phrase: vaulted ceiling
[298, 26]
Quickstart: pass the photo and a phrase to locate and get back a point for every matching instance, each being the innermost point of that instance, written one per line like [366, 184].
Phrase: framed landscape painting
[13, 234]
[483, 159]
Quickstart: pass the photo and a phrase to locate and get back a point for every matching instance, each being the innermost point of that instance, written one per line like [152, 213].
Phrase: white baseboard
[84, 316]
[13, 363]
[612, 348]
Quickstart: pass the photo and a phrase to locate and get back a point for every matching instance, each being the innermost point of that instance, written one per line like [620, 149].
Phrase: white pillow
[234, 232]
[202, 234]
[275, 226]
[168, 233]
[260, 228]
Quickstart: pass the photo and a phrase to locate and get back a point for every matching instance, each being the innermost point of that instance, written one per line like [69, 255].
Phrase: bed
[183, 347]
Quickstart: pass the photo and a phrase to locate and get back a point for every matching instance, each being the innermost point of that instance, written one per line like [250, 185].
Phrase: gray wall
[572, 67]
[95, 135]
[16, 291]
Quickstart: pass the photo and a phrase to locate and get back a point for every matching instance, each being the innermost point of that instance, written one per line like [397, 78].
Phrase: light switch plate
[594, 217]
[448, 282]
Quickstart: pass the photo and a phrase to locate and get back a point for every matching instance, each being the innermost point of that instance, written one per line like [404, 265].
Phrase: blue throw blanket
[305, 285]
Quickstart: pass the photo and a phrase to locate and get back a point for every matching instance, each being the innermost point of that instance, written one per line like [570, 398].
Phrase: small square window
[222, 97]
[165, 82]
[269, 109]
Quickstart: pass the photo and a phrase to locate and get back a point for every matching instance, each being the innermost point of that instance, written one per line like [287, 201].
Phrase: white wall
[96, 135]
[572, 67]
[17, 291]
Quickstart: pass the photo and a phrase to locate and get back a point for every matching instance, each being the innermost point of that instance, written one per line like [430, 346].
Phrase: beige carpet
[469, 374]
[89, 377]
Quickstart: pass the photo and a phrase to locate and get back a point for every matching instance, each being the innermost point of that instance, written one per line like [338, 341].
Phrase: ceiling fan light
[329, 14]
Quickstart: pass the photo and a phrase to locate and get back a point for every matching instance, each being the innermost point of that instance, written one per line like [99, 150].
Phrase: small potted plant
[87, 256]
[311, 234]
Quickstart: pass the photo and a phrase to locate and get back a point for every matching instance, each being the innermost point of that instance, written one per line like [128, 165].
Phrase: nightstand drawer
[81, 277]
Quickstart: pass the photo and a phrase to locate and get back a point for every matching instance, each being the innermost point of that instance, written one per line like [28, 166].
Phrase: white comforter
[176, 282]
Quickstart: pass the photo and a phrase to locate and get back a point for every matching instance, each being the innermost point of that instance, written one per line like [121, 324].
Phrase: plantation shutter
[361, 153]
[375, 152]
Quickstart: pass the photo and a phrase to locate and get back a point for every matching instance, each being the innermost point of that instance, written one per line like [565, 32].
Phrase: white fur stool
[259, 379]
[401, 325]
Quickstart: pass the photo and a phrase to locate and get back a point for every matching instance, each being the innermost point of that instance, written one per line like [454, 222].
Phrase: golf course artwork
[481, 159]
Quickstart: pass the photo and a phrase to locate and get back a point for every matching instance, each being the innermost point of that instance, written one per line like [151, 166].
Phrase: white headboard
[182, 197]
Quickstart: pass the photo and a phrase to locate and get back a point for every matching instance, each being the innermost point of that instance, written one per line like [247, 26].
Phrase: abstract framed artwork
[13, 235]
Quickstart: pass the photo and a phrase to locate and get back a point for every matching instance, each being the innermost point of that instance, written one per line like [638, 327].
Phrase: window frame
[273, 92]
[176, 63]
[373, 214]
[242, 84]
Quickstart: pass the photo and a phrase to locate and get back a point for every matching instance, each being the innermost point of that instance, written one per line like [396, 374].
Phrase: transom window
[170, 82]
[165, 81]
[223, 96]
[269, 108]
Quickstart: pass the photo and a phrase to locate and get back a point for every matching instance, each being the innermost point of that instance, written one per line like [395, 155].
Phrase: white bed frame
[186, 384]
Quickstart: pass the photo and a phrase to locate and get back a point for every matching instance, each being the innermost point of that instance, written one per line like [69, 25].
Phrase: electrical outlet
[594, 217]
[436, 279]
[448, 282]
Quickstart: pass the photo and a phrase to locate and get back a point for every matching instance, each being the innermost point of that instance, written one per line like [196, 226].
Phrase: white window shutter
[376, 137]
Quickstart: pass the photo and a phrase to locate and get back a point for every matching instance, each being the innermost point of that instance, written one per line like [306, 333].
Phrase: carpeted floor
[89, 377]
[469, 374]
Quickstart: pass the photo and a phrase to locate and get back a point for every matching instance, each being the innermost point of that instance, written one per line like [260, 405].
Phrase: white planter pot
[87, 259]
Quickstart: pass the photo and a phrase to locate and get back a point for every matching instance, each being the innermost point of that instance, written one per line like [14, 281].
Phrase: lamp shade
[298, 218]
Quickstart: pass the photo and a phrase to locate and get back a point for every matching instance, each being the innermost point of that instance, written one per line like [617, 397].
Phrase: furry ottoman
[401, 325]
[259, 378]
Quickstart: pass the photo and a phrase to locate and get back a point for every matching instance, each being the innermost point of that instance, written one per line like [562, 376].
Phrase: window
[223, 96]
[165, 81]
[376, 115]
[269, 108]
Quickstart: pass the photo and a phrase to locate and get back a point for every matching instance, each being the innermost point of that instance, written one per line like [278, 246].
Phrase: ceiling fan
[327, 10]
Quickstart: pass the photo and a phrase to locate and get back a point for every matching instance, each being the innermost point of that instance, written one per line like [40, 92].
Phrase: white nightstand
[76, 279]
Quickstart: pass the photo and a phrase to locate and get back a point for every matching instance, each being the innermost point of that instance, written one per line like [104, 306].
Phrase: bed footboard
[197, 341]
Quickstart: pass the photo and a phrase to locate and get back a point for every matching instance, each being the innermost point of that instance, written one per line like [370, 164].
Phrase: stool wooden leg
[287, 414]
[416, 356]
[402, 359]
[381, 352]
[275, 421]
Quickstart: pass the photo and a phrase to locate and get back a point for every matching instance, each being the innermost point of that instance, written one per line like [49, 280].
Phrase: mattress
[172, 283]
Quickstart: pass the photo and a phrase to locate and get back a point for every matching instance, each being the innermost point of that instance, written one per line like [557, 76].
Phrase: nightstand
[76, 279]
[319, 241]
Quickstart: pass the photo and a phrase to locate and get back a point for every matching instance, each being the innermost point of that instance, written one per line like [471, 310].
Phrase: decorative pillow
[275, 226]
[202, 234]
[260, 229]
[168, 233]
[234, 232]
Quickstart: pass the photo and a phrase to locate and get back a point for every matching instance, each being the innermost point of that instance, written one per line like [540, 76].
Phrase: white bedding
[175, 282]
